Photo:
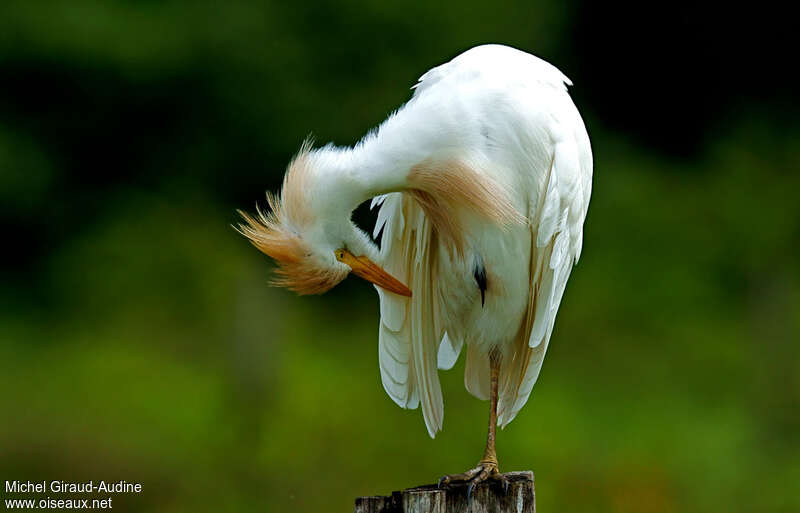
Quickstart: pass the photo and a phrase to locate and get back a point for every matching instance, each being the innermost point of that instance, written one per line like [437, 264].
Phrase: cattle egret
[483, 180]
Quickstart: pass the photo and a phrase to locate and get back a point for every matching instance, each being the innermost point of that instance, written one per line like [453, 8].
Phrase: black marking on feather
[480, 277]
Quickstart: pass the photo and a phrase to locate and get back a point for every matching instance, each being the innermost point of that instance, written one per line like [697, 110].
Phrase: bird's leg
[487, 467]
[490, 453]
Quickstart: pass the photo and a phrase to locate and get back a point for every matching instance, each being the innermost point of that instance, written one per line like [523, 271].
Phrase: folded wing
[411, 328]
[556, 222]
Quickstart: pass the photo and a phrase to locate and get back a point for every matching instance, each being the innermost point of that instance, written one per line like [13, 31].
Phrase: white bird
[483, 180]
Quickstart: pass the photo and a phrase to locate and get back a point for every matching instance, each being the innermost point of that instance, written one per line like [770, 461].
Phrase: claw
[497, 476]
[483, 473]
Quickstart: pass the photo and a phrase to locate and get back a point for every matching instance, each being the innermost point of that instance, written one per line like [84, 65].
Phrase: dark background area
[139, 340]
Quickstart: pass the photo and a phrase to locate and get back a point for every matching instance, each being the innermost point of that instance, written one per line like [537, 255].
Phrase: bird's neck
[382, 160]
[346, 177]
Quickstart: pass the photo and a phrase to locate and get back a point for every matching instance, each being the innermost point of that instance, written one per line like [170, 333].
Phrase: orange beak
[372, 272]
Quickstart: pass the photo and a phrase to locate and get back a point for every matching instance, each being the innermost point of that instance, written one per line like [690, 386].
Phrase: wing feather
[448, 352]
[557, 228]
[477, 376]
[411, 329]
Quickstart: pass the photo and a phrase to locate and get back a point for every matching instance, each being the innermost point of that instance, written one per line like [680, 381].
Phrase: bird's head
[308, 232]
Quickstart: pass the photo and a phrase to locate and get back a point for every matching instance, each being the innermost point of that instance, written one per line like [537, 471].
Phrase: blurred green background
[139, 339]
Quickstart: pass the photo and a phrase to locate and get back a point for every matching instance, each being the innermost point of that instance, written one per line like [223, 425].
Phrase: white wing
[492, 61]
[557, 235]
[410, 329]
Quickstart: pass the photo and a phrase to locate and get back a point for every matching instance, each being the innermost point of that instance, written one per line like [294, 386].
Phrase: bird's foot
[485, 471]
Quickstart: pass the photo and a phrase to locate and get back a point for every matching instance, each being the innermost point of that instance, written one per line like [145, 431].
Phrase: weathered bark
[487, 497]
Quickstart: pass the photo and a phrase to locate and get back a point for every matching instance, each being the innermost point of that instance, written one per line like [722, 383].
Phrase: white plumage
[510, 110]
[483, 180]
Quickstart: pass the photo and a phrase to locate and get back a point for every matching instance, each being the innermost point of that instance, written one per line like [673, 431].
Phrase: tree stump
[488, 497]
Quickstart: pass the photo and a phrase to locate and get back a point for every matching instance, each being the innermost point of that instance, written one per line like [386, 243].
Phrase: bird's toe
[483, 473]
[502, 479]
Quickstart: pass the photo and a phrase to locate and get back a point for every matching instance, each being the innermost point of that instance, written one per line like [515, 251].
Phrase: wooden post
[486, 498]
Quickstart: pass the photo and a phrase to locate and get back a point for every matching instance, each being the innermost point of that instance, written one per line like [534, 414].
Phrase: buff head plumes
[278, 233]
